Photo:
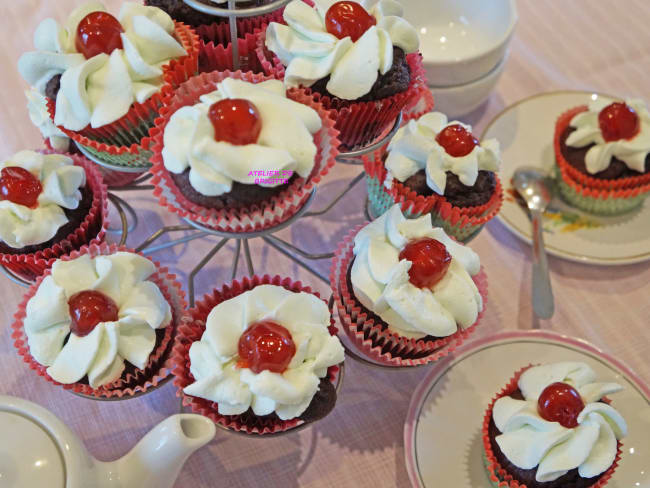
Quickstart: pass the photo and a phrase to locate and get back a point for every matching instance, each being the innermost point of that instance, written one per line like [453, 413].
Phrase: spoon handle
[543, 305]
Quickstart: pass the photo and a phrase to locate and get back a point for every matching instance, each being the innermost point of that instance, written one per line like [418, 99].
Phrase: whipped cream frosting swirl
[101, 90]
[61, 180]
[633, 152]
[380, 280]
[310, 53]
[40, 117]
[284, 144]
[100, 355]
[213, 359]
[529, 441]
[414, 148]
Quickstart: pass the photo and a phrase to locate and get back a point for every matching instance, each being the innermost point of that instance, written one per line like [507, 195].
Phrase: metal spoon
[536, 189]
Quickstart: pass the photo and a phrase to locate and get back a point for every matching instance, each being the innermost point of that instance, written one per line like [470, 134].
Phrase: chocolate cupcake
[104, 76]
[259, 356]
[362, 64]
[50, 204]
[235, 153]
[100, 322]
[603, 156]
[436, 166]
[552, 427]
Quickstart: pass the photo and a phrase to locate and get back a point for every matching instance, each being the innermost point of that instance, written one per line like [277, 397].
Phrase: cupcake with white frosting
[50, 205]
[552, 426]
[259, 356]
[603, 155]
[235, 152]
[104, 76]
[405, 289]
[100, 322]
[438, 166]
[359, 58]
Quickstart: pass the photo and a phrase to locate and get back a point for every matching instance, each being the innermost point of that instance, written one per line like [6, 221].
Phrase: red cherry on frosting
[430, 260]
[456, 140]
[618, 121]
[560, 402]
[98, 32]
[236, 121]
[19, 186]
[266, 345]
[89, 308]
[348, 19]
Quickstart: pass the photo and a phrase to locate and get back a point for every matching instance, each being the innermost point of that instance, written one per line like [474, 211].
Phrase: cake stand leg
[336, 200]
[286, 253]
[200, 266]
[236, 262]
[249, 260]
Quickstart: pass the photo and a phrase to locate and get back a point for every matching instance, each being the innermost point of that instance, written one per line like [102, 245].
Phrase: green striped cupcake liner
[380, 200]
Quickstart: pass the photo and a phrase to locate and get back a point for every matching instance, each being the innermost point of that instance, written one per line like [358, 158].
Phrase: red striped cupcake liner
[159, 366]
[598, 186]
[91, 231]
[422, 104]
[191, 330]
[218, 33]
[384, 346]
[256, 217]
[130, 134]
[497, 474]
[218, 57]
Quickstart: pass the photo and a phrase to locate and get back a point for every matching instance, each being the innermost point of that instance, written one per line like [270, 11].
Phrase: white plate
[442, 435]
[525, 131]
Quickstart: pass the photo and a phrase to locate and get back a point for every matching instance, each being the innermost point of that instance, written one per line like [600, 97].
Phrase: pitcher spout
[159, 456]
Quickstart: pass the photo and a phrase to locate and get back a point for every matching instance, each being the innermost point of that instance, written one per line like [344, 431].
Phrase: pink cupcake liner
[256, 217]
[137, 120]
[191, 330]
[478, 215]
[218, 33]
[598, 188]
[499, 476]
[218, 57]
[159, 366]
[91, 231]
[384, 346]
[422, 104]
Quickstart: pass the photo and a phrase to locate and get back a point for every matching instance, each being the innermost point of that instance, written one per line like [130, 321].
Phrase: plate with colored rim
[525, 131]
[442, 434]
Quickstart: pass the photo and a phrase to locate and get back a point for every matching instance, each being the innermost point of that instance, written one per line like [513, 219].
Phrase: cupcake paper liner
[604, 197]
[191, 330]
[256, 217]
[498, 476]
[359, 123]
[126, 141]
[422, 104]
[218, 33]
[91, 231]
[643, 180]
[218, 57]
[384, 346]
[159, 366]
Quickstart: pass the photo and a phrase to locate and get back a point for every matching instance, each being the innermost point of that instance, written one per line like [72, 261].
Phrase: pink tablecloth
[582, 44]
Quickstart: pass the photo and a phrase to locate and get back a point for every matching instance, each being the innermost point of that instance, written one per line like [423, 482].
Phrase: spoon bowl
[535, 187]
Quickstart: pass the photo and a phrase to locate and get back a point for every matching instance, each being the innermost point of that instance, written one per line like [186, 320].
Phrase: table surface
[583, 44]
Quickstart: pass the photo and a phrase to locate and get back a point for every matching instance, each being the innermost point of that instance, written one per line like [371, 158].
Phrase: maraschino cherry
[19, 186]
[98, 32]
[560, 402]
[456, 140]
[430, 260]
[89, 308]
[348, 19]
[618, 121]
[266, 346]
[236, 121]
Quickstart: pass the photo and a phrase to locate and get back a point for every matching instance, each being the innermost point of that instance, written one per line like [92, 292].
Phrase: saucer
[525, 131]
[442, 435]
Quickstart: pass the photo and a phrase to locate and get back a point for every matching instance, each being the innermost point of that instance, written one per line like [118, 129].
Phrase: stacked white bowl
[465, 47]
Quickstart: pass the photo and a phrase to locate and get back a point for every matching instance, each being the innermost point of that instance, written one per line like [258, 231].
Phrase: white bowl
[461, 40]
[463, 99]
